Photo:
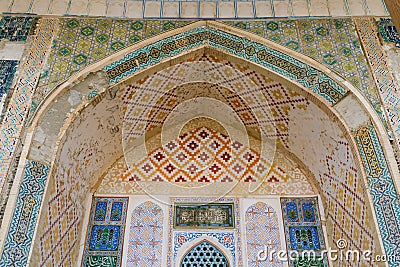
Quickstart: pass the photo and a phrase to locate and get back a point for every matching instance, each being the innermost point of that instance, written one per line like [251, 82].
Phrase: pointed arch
[318, 82]
[204, 253]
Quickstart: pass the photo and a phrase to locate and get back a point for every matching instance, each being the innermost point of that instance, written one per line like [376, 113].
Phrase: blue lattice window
[204, 254]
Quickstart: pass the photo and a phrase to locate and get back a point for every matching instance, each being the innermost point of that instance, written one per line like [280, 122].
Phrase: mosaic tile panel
[332, 42]
[21, 99]
[230, 239]
[385, 198]
[251, 94]
[303, 229]
[262, 230]
[389, 32]
[7, 71]
[23, 224]
[388, 86]
[202, 155]
[255, 52]
[204, 254]
[145, 236]
[105, 233]
[16, 29]
[82, 42]
[198, 215]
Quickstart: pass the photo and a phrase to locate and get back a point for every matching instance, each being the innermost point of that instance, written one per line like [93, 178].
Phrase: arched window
[204, 254]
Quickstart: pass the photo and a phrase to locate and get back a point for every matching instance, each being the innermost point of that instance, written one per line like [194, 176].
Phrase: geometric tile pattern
[230, 239]
[81, 42]
[195, 215]
[226, 239]
[7, 71]
[20, 101]
[387, 84]
[201, 155]
[262, 229]
[251, 94]
[332, 42]
[145, 236]
[17, 29]
[104, 240]
[388, 31]
[255, 52]
[19, 238]
[206, 254]
[382, 189]
[303, 229]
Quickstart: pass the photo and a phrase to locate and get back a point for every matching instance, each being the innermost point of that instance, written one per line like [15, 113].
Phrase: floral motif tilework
[104, 240]
[303, 229]
[145, 236]
[262, 230]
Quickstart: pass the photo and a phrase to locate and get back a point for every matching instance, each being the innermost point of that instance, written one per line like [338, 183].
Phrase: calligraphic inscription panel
[212, 215]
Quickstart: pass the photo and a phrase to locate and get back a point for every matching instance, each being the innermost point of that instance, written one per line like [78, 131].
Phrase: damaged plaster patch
[393, 56]
[352, 112]
[74, 98]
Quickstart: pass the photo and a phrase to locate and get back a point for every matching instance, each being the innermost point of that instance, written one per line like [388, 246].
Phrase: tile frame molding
[328, 107]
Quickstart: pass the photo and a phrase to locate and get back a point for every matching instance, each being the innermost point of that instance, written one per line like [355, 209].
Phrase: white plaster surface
[194, 9]
[11, 50]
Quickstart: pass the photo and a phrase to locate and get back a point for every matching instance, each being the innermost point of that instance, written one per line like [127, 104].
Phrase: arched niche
[57, 141]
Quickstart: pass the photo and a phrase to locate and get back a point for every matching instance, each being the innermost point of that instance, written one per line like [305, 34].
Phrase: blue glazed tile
[16, 28]
[389, 32]
[105, 232]
[303, 229]
[20, 234]
[104, 238]
[7, 71]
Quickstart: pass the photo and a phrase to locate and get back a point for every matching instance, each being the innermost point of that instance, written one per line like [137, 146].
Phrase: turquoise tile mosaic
[19, 238]
[7, 71]
[382, 189]
[276, 61]
[82, 42]
[16, 28]
[332, 42]
[303, 230]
